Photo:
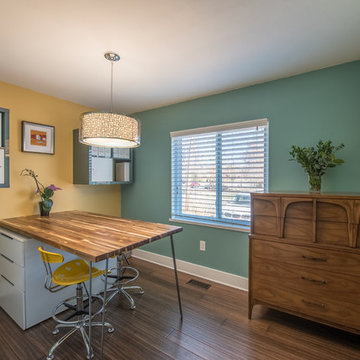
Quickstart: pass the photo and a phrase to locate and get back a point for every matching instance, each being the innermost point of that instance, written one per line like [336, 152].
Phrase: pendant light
[109, 129]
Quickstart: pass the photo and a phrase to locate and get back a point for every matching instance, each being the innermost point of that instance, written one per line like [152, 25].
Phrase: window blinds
[214, 169]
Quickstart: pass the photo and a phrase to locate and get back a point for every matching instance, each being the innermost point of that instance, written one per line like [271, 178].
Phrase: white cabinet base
[12, 301]
[22, 292]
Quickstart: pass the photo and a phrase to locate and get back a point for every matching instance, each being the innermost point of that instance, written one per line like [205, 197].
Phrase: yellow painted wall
[20, 198]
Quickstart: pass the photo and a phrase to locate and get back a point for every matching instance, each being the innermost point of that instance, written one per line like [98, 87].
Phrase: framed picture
[4, 148]
[38, 138]
[1, 125]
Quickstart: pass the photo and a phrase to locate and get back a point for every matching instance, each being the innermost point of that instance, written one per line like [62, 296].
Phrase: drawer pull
[318, 282]
[7, 280]
[312, 258]
[9, 237]
[5, 257]
[310, 303]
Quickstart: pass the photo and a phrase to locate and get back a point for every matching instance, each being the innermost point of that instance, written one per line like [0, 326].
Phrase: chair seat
[74, 272]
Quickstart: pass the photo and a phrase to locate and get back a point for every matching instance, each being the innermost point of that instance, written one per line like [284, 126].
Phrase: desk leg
[176, 276]
[103, 313]
[90, 305]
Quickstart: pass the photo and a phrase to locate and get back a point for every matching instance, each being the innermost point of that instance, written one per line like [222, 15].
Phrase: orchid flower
[45, 192]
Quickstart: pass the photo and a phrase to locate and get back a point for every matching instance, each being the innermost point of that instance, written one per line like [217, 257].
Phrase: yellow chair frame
[49, 258]
[74, 272]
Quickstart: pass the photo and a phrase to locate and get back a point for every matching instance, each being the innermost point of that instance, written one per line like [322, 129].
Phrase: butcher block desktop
[91, 236]
[305, 256]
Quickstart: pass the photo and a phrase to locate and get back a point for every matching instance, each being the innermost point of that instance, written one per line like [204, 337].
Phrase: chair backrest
[50, 257]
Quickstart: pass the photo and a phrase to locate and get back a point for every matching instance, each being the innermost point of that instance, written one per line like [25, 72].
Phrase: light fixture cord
[111, 87]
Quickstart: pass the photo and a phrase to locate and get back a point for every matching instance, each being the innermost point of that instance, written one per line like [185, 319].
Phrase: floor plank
[215, 327]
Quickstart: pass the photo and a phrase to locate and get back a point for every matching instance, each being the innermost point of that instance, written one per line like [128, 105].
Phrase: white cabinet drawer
[12, 301]
[12, 271]
[12, 248]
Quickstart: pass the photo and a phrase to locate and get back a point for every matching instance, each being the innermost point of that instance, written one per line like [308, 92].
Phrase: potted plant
[45, 192]
[315, 161]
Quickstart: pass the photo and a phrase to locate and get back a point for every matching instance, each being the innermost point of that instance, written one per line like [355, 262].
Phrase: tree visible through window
[215, 169]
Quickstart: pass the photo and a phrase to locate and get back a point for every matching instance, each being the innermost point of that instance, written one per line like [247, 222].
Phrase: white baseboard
[204, 272]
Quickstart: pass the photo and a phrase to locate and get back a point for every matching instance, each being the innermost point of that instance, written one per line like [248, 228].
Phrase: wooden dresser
[305, 256]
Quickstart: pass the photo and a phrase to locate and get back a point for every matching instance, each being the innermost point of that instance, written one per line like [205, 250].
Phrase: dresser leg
[250, 308]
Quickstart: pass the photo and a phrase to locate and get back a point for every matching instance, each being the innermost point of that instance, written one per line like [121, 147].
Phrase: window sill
[241, 228]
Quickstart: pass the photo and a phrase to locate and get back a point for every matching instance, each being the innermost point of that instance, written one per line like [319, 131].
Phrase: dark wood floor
[215, 327]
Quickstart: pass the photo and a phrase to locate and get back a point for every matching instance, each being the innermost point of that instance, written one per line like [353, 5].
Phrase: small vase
[45, 207]
[315, 183]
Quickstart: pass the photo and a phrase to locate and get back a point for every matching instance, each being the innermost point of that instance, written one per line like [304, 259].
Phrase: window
[214, 170]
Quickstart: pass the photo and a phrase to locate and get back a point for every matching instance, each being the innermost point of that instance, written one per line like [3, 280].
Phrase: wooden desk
[93, 237]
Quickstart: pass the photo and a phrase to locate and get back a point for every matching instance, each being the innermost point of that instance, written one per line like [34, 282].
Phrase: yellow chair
[74, 272]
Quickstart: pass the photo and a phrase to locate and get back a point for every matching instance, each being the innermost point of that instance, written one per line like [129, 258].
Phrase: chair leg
[124, 290]
[82, 323]
[90, 353]
[58, 326]
[59, 342]
[135, 287]
[130, 299]
[108, 325]
[110, 297]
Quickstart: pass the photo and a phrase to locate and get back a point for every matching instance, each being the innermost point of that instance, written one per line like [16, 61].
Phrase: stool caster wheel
[133, 307]
[55, 332]
[111, 330]
[141, 292]
[51, 357]
[91, 356]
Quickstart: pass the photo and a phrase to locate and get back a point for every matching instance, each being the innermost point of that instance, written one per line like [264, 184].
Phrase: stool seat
[74, 272]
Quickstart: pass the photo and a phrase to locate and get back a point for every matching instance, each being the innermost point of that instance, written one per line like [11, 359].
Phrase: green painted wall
[301, 109]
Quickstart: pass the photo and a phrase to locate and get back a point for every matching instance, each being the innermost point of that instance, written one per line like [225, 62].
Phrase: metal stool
[117, 286]
[71, 273]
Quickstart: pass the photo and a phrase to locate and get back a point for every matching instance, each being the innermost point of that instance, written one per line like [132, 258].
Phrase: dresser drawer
[330, 310]
[12, 301]
[335, 210]
[319, 283]
[12, 271]
[297, 208]
[265, 225]
[333, 232]
[263, 205]
[12, 248]
[322, 259]
[301, 229]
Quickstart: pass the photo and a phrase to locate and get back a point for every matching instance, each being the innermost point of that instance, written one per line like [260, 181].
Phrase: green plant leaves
[315, 161]
[48, 193]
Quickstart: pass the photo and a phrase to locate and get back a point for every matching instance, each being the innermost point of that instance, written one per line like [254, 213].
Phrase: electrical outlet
[202, 245]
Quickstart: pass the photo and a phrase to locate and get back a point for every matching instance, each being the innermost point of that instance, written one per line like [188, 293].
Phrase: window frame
[218, 221]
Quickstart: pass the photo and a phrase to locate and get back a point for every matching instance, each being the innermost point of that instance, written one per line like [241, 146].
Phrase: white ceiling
[171, 50]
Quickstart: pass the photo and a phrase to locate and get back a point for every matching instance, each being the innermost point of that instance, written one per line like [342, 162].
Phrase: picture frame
[1, 126]
[38, 138]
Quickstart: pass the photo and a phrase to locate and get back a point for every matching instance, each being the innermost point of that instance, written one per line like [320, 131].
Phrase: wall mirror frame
[4, 148]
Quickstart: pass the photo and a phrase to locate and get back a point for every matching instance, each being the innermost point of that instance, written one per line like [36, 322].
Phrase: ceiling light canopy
[109, 129]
